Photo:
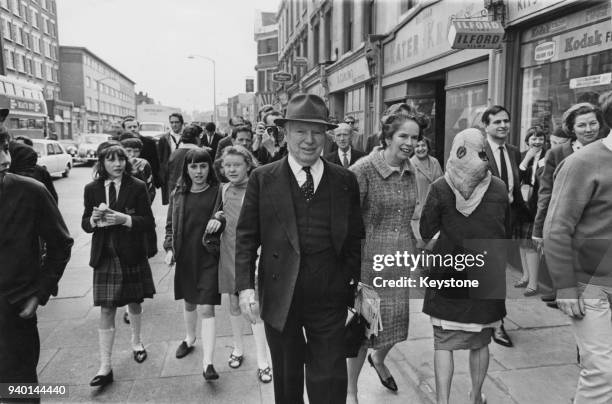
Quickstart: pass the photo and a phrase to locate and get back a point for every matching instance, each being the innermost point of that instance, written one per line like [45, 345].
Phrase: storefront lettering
[479, 39]
[572, 44]
[525, 4]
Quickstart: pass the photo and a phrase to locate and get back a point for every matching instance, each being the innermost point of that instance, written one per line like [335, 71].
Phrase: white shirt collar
[300, 175]
[494, 146]
[117, 182]
[348, 154]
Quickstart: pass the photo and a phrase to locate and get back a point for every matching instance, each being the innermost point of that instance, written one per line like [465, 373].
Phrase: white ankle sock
[191, 322]
[237, 327]
[105, 341]
[259, 333]
[135, 322]
[208, 340]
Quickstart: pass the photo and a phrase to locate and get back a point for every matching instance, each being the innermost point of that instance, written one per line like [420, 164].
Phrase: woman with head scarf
[468, 207]
[23, 162]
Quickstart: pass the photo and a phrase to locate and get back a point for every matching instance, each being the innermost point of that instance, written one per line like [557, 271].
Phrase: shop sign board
[544, 51]
[475, 34]
[349, 75]
[282, 77]
[591, 81]
[425, 36]
[300, 61]
[519, 9]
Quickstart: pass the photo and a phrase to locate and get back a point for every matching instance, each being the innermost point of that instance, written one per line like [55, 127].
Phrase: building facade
[101, 92]
[363, 56]
[243, 105]
[266, 36]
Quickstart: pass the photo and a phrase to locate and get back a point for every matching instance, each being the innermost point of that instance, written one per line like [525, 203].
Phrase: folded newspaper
[367, 303]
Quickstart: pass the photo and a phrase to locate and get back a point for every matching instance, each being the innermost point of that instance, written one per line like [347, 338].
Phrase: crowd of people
[286, 217]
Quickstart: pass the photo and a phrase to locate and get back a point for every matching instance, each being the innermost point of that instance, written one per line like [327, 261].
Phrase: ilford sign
[475, 34]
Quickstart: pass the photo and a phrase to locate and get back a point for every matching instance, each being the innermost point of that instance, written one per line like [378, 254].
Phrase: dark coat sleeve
[430, 221]
[248, 236]
[544, 193]
[58, 243]
[355, 233]
[168, 241]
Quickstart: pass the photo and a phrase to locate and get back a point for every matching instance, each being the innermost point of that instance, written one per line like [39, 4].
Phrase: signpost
[475, 34]
[300, 61]
[282, 77]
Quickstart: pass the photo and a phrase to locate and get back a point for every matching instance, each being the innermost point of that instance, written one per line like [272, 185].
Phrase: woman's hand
[213, 226]
[169, 259]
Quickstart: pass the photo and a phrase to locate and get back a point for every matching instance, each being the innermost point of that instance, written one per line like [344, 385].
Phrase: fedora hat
[306, 108]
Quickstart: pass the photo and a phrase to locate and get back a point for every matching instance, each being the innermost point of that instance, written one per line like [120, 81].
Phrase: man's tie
[503, 169]
[345, 161]
[308, 187]
[112, 195]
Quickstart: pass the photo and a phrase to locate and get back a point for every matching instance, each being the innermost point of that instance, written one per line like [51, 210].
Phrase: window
[348, 25]
[6, 29]
[354, 105]
[49, 74]
[315, 44]
[8, 56]
[10, 88]
[369, 19]
[57, 148]
[88, 103]
[15, 60]
[38, 69]
[34, 18]
[50, 150]
[88, 81]
[22, 63]
[24, 12]
[36, 44]
[29, 65]
[406, 5]
[19, 38]
[327, 39]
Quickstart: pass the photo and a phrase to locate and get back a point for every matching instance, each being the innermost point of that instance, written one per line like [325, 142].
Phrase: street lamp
[214, 82]
[99, 103]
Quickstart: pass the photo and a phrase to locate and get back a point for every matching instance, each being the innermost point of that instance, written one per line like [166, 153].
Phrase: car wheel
[66, 172]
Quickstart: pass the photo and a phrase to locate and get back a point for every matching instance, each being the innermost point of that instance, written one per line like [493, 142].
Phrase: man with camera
[270, 137]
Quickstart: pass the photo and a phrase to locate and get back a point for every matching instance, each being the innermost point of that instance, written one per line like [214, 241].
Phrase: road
[540, 369]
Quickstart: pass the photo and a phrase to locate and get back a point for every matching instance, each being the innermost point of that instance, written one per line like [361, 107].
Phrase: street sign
[282, 77]
[300, 61]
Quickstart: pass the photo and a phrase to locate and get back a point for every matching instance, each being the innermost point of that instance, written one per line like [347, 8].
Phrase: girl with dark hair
[118, 213]
[237, 163]
[192, 204]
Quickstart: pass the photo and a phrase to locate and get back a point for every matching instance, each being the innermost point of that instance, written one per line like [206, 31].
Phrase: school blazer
[132, 200]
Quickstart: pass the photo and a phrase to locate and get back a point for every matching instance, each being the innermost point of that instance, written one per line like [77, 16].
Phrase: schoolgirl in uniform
[118, 213]
[196, 275]
[237, 163]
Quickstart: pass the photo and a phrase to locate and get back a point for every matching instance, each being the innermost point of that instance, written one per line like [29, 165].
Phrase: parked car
[70, 146]
[88, 146]
[53, 157]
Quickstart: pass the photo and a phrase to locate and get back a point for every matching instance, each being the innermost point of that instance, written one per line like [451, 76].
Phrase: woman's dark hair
[560, 132]
[427, 142]
[132, 143]
[191, 134]
[125, 134]
[111, 152]
[210, 127]
[197, 156]
[536, 131]
[569, 116]
[177, 115]
[391, 123]
[241, 128]
[25, 140]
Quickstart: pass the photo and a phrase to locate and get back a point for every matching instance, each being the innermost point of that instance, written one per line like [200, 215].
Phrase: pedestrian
[167, 144]
[577, 244]
[503, 161]
[330, 145]
[211, 138]
[304, 214]
[234, 122]
[388, 196]
[532, 161]
[191, 216]
[118, 213]
[23, 162]
[427, 170]
[237, 163]
[346, 155]
[149, 149]
[28, 213]
[468, 207]
[141, 168]
[270, 136]
[581, 123]
[189, 141]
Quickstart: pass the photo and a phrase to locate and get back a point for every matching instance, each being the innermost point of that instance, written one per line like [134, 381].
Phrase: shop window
[550, 89]
[348, 26]
[354, 105]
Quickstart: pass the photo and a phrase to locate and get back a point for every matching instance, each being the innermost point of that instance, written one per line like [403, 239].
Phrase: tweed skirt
[453, 340]
[115, 285]
[395, 315]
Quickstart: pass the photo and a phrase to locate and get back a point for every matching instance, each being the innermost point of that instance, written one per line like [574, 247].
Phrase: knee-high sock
[105, 341]
[237, 326]
[191, 322]
[135, 322]
[208, 340]
[259, 333]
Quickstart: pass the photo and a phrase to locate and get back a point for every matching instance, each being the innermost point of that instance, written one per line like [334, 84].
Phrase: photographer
[270, 137]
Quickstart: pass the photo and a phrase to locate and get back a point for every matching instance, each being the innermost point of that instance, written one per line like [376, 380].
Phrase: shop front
[563, 61]
[421, 69]
[351, 93]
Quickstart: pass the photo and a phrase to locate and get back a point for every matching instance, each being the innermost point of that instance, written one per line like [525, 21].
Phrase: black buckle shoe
[210, 373]
[140, 355]
[102, 380]
[501, 337]
[183, 350]
[389, 382]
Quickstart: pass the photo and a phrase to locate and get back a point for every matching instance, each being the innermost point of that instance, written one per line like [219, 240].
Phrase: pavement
[541, 368]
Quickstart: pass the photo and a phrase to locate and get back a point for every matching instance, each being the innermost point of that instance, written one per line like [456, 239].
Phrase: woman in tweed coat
[388, 192]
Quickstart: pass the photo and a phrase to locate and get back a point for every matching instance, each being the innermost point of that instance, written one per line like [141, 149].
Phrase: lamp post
[214, 82]
[99, 103]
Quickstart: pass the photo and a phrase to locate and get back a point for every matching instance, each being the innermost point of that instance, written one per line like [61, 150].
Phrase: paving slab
[45, 357]
[535, 313]
[116, 392]
[462, 385]
[62, 309]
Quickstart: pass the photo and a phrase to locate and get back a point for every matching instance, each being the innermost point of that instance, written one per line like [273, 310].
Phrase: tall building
[266, 36]
[30, 43]
[102, 93]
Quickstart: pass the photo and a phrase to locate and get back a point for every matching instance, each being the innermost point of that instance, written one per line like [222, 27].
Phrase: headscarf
[466, 173]
[23, 158]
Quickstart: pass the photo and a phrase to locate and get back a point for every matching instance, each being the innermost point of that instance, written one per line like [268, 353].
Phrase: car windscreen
[151, 127]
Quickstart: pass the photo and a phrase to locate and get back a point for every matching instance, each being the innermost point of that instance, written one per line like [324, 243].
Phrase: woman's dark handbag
[212, 244]
[354, 333]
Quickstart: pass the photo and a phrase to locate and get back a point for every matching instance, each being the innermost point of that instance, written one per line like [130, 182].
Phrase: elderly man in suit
[346, 155]
[503, 159]
[304, 213]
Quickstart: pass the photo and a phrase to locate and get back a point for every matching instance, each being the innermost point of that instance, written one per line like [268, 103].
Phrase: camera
[275, 134]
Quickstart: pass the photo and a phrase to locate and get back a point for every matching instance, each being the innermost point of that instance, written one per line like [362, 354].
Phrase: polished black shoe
[183, 350]
[126, 318]
[552, 305]
[548, 298]
[210, 373]
[501, 337]
[140, 355]
[389, 382]
[102, 380]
